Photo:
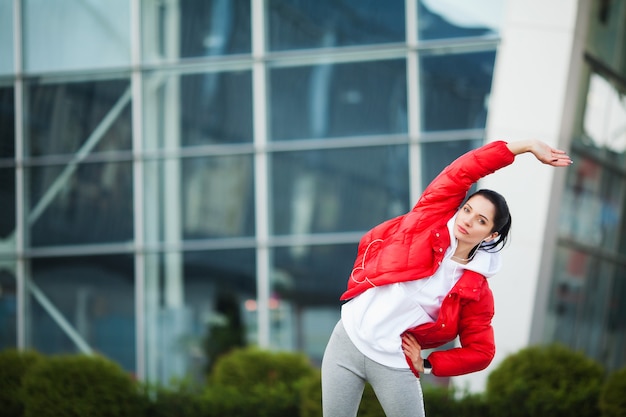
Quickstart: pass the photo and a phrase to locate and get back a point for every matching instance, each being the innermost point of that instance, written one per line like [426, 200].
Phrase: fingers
[413, 350]
[410, 340]
[410, 346]
[559, 158]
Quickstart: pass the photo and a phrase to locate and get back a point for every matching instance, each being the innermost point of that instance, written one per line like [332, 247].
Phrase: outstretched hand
[413, 351]
[542, 151]
[550, 156]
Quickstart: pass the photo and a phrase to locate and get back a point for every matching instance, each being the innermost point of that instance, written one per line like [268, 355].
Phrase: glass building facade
[177, 177]
[587, 294]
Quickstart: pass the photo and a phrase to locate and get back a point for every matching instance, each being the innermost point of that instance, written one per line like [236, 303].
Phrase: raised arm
[542, 151]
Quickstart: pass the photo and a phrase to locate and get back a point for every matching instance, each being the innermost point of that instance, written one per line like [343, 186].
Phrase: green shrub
[178, 400]
[80, 386]
[472, 405]
[613, 395]
[311, 395]
[438, 401]
[256, 383]
[441, 401]
[545, 381]
[247, 367]
[278, 399]
[13, 366]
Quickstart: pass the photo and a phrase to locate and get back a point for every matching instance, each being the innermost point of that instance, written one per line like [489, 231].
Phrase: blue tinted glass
[68, 35]
[91, 116]
[437, 155]
[197, 109]
[7, 123]
[96, 297]
[306, 284]
[6, 37]
[216, 108]
[221, 293]
[217, 196]
[7, 204]
[454, 90]
[78, 204]
[295, 24]
[458, 19]
[338, 100]
[8, 308]
[195, 28]
[327, 191]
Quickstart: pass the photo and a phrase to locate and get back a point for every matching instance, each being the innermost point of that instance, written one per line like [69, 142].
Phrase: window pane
[324, 23]
[8, 307]
[593, 205]
[328, 191]
[616, 326]
[199, 198]
[7, 123]
[218, 199]
[199, 305]
[7, 206]
[455, 89]
[78, 204]
[604, 122]
[69, 35]
[195, 28]
[7, 158]
[198, 109]
[307, 282]
[338, 100]
[6, 37]
[580, 313]
[568, 293]
[93, 296]
[457, 19]
[438, 155]
[90, 117]
[606, 33]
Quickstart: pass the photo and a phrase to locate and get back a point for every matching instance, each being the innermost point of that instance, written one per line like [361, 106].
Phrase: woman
[419, 281]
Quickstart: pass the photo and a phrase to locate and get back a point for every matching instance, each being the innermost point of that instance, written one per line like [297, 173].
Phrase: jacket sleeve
[476, 337]
[449, 188]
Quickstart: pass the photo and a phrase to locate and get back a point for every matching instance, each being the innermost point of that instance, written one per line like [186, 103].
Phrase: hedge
[14, 365]
[613, 395]
[80, 386]
[252, 382]
[545, 381]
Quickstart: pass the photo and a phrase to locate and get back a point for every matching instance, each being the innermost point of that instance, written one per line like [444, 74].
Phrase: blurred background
[179, 177]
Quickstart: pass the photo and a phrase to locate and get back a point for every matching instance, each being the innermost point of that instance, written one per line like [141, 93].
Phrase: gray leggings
[344, 373]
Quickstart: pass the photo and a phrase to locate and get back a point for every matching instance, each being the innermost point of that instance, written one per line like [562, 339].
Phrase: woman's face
[475, 221]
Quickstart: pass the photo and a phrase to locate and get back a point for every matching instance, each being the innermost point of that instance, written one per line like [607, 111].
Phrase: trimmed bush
[14, 364]
[247, 367]
[613, 395]
[311, 394]
[256, 383]
[179, 400]
[80, 386]
[545, 381]
[441, 401]
[279, 399]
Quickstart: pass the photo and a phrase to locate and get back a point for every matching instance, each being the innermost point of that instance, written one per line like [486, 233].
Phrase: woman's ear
[491, 237]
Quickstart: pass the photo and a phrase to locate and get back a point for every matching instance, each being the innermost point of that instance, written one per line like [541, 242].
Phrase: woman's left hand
[413, 351]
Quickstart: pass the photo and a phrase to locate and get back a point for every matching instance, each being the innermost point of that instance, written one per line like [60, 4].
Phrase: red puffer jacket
[412, 246]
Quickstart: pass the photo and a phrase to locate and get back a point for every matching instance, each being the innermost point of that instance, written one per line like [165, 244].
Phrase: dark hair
[501, 221]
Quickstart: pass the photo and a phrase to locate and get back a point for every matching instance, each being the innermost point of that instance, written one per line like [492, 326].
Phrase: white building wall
[534, 81]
